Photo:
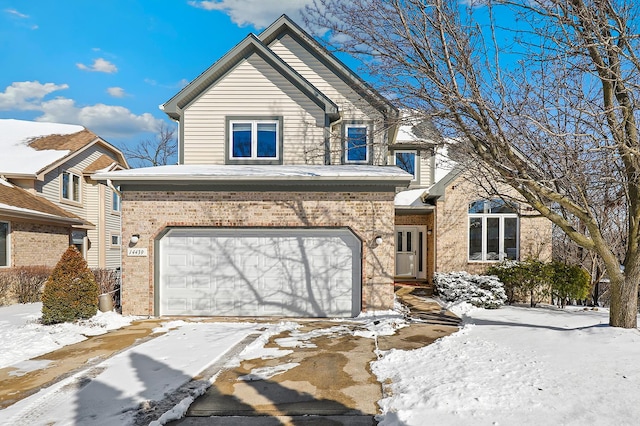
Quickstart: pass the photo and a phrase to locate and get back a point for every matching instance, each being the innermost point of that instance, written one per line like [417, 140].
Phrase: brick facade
[453, 230]
[37, 244]
[149, 213]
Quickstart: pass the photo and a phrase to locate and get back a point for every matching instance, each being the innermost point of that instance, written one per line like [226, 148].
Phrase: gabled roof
[31, 148]
[17, 202]
[242, 50]
[102, 163]
[284, 24]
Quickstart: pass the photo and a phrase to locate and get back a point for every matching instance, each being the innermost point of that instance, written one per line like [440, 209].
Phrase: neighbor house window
[115, 201]
[493, 231]
[254, 140]
[4, 244]
[70, 186]
[407, 161]
[356, 145]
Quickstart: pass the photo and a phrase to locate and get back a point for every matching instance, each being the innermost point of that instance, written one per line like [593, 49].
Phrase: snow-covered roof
[259, 172]
[20, 158]
[411, 198]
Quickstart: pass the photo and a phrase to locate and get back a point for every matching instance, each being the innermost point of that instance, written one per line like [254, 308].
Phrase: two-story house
[48, 199]
[284, 199]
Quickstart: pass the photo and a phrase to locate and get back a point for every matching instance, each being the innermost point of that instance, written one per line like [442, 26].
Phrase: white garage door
[260, 272]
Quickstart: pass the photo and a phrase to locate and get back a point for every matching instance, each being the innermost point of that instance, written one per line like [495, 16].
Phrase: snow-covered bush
[483, 291]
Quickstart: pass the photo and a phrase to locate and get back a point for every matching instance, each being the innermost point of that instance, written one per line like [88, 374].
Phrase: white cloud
[105, 120]
[21, 16]
[258, 13]
[99, 65]
[27, 95]
[16, 13]
[116, 92]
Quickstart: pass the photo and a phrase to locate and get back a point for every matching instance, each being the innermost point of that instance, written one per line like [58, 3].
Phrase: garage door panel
[176, 282]
[282, 272]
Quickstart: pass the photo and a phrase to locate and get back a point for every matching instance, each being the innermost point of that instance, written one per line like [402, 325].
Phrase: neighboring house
[48, 199]
[283, 199]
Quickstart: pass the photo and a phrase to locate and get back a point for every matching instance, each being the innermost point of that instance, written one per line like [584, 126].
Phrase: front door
[411, 249]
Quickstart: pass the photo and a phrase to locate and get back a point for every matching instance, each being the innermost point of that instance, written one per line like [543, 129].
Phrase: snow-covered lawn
[518, 366]
[509, 366]
[23, 337]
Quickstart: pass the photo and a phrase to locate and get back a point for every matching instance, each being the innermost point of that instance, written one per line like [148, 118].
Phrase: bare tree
[160, 150]
[549, 104]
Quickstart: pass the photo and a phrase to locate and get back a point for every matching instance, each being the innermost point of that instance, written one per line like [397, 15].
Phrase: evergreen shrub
[71, 291]
[569, 282]
[482, 291]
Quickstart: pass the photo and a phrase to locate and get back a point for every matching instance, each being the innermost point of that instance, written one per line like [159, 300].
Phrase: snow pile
[479, 290]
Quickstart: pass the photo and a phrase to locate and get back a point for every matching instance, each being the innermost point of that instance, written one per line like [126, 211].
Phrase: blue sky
[108, 65]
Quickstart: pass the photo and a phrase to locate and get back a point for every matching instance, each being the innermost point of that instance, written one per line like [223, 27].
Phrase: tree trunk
[624, 300]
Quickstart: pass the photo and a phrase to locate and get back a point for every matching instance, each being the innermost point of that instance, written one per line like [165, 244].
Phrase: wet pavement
[324, 379]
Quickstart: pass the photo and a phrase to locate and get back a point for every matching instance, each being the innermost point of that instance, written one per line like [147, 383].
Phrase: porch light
[378, 240]
[134, 239]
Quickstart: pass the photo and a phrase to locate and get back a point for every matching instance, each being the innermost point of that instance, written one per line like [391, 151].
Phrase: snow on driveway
[111, 392]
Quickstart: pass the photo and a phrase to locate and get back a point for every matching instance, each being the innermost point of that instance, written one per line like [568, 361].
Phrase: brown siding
[367, 214]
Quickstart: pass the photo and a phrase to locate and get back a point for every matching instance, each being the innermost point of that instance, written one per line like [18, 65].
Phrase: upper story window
[4, 244]
[356, 144]
[493, 231]
[407, 161]
[70, 186]
[115, 201]
[255, 140]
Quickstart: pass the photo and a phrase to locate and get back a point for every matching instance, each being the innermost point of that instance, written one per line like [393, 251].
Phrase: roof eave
[271, 32]
[44, 217]
[173, 107]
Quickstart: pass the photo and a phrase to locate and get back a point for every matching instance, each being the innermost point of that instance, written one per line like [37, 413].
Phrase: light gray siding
[352, 105]
[91, 208]
[253, 88]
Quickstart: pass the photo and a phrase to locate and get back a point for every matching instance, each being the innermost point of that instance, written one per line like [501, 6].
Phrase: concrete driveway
[317, 373]
[327, 381]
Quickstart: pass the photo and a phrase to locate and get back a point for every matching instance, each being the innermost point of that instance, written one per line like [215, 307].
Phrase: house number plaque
[137, 252]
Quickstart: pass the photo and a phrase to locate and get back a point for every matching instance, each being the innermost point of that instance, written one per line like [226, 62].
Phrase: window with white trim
[254, 139]
[70, 186]
[116, 240]
[356, 145]
[4, 244]
[115, 201]
[493, 231]
[407, 160]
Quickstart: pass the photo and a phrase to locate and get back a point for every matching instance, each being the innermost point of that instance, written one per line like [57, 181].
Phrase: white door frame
[412, 254]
